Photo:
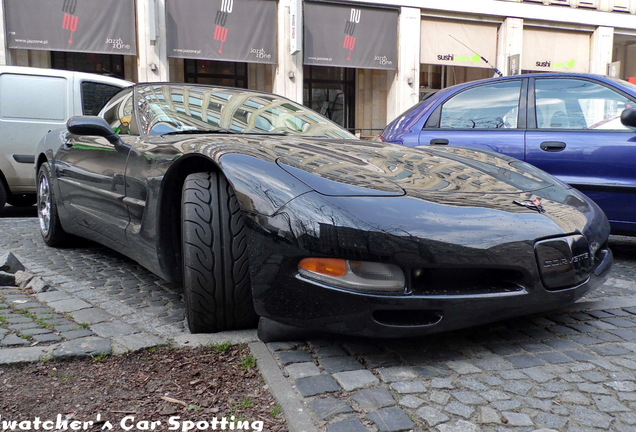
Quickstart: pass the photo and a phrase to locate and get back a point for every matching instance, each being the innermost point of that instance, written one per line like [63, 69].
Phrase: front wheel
[217, 289]
[50, 227]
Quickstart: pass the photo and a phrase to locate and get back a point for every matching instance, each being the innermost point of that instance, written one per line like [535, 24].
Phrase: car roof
[597, 77]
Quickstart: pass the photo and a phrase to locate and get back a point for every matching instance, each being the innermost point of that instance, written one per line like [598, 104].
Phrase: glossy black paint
[446, 216]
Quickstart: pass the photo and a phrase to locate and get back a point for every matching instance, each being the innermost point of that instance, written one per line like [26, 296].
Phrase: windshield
[190, 108]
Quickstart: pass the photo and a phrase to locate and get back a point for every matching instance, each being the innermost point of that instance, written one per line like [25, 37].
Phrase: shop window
[218, 73]
[591, 4]
[331, 92]
[620, 5]
[103, 64]
[436, 77]
[560, 2]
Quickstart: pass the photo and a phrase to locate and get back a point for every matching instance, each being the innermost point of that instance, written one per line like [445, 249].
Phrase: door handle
[439, 141]
[552, 146]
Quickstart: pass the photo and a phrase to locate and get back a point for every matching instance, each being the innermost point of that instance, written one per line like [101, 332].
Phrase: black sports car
[261, 207]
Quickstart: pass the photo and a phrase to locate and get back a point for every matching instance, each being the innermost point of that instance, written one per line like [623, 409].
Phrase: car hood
[368, 168]
[347, 168]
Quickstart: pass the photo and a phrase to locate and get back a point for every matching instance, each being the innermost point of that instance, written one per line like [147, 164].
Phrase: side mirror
[92, 126]
[628, 117]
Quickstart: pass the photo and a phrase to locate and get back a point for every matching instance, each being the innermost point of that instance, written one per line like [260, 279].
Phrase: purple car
[579, 127]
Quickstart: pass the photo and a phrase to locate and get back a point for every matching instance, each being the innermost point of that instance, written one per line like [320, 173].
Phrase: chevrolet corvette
[260, 207]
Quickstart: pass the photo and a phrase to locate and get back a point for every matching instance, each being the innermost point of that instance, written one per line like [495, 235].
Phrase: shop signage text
[457, 58]
[557, 65]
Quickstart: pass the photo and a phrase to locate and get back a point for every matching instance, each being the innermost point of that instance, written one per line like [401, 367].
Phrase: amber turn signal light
[326, 266]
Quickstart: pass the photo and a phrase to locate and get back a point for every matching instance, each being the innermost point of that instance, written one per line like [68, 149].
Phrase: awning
[94, 26]
[356, 37]
[230, 30]
[458, 43]
[555, 50]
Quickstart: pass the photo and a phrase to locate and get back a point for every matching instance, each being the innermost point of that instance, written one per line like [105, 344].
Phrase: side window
[491, 106]
[118, 113]
[33, 97]
[95, 95]
[578, 104]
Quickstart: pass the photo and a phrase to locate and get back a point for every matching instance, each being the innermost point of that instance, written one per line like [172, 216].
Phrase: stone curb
[110, 335]
[298, 418]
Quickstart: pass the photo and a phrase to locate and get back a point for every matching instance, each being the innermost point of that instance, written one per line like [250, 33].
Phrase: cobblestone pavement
[573, 370]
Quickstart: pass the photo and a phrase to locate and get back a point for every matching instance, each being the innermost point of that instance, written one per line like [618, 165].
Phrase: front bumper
[307, 304]
[450, 285]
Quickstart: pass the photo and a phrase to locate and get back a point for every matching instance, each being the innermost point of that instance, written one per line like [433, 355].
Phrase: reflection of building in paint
[184, 107]
[452, 176]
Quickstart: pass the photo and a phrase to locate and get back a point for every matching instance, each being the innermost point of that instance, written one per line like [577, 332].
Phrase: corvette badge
[534, 204]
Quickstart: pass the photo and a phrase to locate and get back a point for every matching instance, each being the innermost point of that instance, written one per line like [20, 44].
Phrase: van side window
[33, 97]
[95, 95]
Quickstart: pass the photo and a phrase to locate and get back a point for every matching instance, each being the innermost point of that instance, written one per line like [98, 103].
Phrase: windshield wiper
[200, 131]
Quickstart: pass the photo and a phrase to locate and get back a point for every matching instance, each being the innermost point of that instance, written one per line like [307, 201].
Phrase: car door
[486, 116]
[575, 133]
[90, 172]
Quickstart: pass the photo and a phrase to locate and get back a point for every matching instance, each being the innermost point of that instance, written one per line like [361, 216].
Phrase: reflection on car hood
[372, 168]
[398, 170]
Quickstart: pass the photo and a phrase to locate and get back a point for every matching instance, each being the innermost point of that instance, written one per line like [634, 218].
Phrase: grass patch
[100, 357]
[220, 348]
[248, 362]
[26, 313]
[275, 411]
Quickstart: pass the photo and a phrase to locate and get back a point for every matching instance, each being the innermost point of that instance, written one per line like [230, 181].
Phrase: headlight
[355, 275]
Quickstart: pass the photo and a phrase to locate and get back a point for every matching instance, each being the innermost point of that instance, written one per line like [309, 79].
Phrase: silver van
[32, 102]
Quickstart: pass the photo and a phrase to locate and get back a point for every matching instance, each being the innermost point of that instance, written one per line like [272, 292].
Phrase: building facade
[359, 63]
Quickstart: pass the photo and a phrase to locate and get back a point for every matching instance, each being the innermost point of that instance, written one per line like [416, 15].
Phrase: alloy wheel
[44, 204]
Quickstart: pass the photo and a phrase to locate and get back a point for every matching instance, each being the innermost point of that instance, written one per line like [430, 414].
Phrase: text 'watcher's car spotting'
[261, 207]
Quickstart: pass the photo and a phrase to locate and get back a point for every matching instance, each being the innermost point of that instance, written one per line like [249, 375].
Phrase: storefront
[624, 57]
[359, 63]
[89, 35]
[227, 42]
[343, 52]
[454, 52]
[555, 50]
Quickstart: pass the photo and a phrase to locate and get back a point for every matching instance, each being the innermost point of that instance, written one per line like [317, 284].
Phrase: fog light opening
[355, 275]
[407, 318]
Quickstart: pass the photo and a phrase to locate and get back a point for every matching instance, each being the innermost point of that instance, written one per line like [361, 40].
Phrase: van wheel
[3, 195]
[217, 288]
[50, 227]
[23, 200]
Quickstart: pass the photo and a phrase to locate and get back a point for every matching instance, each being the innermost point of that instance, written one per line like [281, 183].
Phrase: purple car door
[574, 132]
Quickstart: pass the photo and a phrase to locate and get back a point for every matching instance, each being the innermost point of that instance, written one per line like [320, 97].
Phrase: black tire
[50, 227]
[217, 288]
[3, 195]
[22, 200]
